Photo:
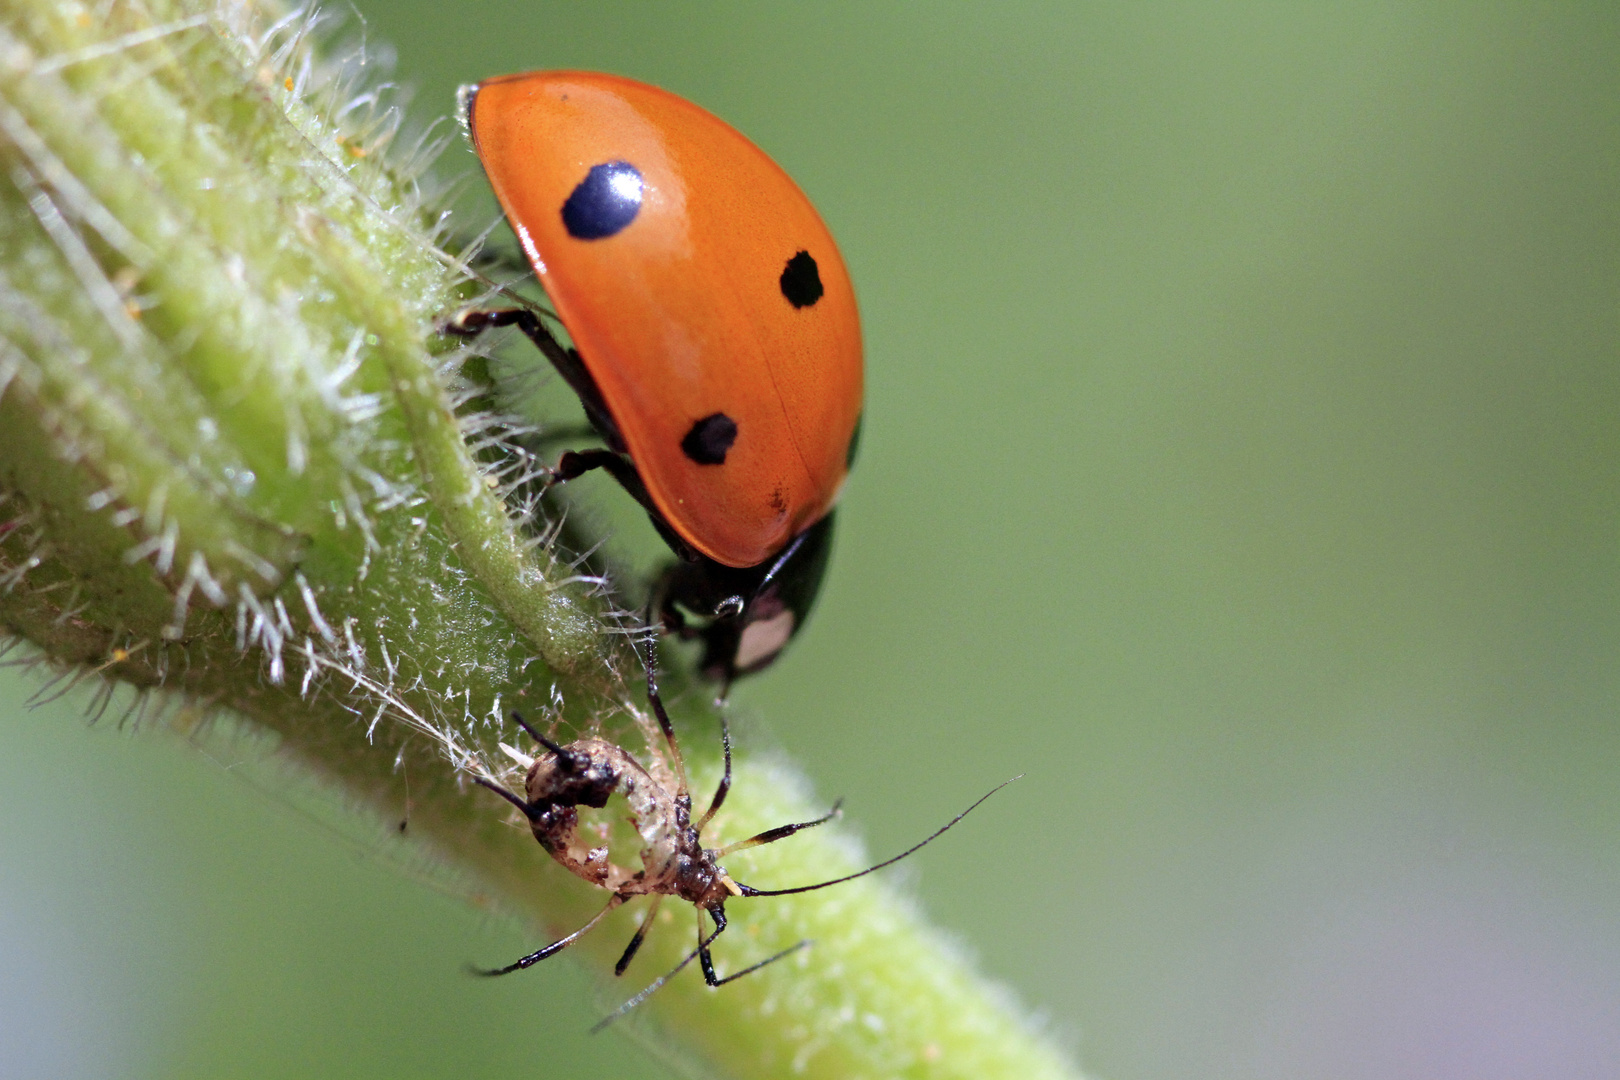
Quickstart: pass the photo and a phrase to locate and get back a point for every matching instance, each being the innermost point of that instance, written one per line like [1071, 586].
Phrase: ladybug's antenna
[656, 700]
[749, 891]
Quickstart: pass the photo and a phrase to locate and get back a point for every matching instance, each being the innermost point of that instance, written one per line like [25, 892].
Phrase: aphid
[587, 772]
[718, 343]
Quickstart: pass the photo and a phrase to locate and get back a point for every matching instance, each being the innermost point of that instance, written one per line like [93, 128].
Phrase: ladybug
[717, 345]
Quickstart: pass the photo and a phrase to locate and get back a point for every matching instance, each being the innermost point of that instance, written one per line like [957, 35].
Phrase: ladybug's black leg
[572, 368]
[474, 321]
[663, 601]
[719, 914]
[641, 934]
[556, 946]
[471, 322]
[575, 463]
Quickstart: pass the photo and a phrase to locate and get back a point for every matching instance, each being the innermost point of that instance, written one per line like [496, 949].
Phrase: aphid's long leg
[556, 946]
[652, 986]
[751, 968]
[641, 933]
[656, 700]
[748, 890]
[725, 780]
[781, 832]
[719, 916]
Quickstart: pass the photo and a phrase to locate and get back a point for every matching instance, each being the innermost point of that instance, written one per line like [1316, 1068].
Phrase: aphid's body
[588, 773]
[674, 862]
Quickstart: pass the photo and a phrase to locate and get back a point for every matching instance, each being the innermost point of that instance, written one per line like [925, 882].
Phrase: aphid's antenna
[656, 700]
[782, 832]
[748, 891]
[725, 780]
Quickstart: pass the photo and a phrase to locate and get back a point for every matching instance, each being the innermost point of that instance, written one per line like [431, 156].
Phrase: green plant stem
[234, 469]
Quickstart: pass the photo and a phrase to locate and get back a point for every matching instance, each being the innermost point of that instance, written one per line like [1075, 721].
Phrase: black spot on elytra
[801, 281]
[608, 199]
[710, 439]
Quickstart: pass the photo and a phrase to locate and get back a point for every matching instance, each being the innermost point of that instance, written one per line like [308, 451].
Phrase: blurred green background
[1240, 462]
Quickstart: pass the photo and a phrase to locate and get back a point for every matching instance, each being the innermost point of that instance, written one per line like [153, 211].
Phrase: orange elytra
[718, 341]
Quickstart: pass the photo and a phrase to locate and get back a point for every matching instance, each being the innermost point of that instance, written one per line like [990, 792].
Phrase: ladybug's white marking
[530, 250]
[763, 639]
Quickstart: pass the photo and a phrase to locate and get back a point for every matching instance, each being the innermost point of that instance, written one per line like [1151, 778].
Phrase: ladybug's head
[752, 612]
